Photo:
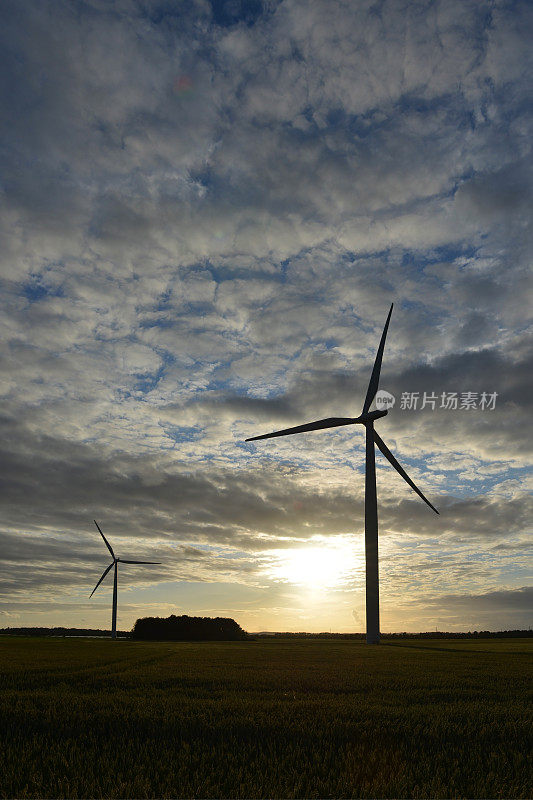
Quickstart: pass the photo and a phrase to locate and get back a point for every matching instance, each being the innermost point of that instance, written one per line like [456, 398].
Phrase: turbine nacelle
[370, 416]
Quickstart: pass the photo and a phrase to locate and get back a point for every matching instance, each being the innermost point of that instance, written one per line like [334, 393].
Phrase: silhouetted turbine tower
[367, 419]
[114, 563]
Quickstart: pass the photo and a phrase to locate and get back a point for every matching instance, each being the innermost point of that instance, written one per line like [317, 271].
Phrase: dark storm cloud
[52, 490]
[493, 610]
[521, 599]
[51, 484]
[503, 196]
[326, 392]
[248, 407]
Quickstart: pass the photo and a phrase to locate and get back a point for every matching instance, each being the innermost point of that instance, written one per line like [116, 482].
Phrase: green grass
[304, 718]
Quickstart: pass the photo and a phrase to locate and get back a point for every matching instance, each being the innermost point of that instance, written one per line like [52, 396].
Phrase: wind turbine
[115, 564]
[367, 418]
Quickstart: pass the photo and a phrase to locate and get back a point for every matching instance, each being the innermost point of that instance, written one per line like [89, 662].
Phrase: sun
[318, 566]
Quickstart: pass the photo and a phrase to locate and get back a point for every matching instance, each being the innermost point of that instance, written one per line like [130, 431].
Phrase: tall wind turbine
[367, 418]
[115, 564]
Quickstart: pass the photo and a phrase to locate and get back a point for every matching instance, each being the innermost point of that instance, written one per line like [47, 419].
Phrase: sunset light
[319, 567]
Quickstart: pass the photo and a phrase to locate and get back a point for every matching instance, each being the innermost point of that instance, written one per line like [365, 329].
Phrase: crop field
[276, 718]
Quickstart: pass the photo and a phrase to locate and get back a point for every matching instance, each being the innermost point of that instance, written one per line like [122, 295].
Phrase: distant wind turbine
[367, 419]
[115, 563]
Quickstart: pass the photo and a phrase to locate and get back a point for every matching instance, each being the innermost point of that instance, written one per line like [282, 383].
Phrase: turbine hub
[370, 416]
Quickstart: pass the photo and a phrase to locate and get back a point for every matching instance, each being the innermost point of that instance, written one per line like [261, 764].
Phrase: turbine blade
[330, 422]
[101, 579]
[374, 378]
[388, 455]
[123, 561]
[105, 540]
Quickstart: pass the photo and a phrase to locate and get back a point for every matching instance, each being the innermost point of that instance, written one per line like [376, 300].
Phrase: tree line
[186, 628]
[513, 634]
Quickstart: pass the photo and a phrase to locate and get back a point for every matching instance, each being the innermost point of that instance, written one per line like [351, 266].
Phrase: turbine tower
[367, 418]
[114, 564]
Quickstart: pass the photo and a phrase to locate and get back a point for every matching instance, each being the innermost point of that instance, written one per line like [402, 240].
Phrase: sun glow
[319, 566]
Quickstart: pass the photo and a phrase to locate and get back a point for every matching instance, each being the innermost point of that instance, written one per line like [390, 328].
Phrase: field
[281, 719]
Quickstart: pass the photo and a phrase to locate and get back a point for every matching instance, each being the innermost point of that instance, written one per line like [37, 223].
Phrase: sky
[207, 211]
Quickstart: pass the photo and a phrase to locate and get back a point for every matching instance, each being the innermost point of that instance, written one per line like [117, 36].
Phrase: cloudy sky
[207, 210]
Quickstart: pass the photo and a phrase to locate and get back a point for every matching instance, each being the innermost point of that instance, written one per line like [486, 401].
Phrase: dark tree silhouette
[191, 629]
[96, 632]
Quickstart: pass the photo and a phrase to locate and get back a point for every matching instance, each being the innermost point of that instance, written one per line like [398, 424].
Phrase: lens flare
[183, 85]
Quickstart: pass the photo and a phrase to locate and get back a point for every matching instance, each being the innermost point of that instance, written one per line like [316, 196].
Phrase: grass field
[294, 718]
